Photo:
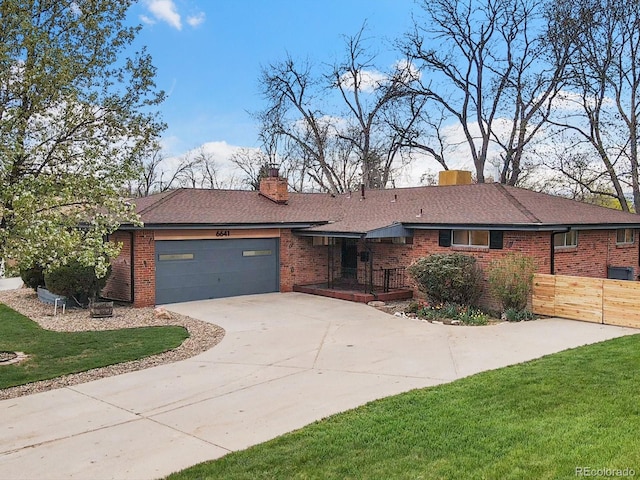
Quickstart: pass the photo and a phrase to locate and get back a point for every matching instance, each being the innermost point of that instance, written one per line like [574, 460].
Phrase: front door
[350, 258]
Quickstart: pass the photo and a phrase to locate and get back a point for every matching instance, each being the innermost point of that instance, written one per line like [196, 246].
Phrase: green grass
[542, 419]
[53, 354]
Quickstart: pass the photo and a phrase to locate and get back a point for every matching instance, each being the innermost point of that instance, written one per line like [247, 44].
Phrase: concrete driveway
[286, 361]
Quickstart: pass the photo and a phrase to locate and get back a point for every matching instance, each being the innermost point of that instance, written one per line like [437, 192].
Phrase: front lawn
[543, 419]
[53, 354]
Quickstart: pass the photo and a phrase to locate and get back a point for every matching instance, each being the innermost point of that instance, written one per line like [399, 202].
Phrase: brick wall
[596, 250]
[144, 268]
[302, 263]
[119, 283]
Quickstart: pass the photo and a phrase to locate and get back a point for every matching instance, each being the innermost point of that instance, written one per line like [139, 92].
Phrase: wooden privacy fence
[597, 300]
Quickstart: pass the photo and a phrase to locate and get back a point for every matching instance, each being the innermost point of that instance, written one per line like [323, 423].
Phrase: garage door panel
[201, 269]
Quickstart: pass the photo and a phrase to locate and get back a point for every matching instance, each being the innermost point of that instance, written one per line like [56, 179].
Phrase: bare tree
[154, 174]
[335, 123]
[198, 169]
[366, 94]
[290, 87]
[569, 169]
[489, 67]
[195, 169]
[253, 163]
[419, 127]
[602, 105]
[276, 149]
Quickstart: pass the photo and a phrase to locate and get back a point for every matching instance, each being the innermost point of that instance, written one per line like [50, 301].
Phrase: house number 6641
[223, 233]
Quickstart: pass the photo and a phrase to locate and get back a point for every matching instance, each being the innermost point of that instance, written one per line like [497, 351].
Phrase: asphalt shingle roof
[471, 205]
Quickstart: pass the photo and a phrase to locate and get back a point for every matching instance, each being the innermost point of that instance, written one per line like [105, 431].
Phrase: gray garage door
[200, 269]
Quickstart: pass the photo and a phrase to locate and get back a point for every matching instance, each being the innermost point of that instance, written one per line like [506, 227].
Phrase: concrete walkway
[286, 361]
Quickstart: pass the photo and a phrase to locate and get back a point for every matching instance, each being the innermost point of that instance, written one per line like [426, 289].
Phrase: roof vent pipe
[362, 191]
[273, 170]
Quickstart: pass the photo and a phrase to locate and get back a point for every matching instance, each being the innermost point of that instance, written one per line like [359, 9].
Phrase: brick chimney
[454, 177]
[274, 187]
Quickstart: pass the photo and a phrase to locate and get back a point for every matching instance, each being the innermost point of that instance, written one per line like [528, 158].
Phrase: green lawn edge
[544, 419]
[54, 354]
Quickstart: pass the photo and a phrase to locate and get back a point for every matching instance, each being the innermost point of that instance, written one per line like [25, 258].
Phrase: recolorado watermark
[604, 472]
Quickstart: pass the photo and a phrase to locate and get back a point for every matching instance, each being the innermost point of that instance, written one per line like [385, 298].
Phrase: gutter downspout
[553, 249]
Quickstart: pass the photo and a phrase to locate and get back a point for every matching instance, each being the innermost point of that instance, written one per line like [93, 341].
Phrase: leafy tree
[75, 113]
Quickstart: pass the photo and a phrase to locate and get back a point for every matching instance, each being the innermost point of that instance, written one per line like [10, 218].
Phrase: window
[256, 253]
[166, 257]
[402, 240]
[624, 235]
[569, 239]
[324, 241]
[392, 240]
[472, 238]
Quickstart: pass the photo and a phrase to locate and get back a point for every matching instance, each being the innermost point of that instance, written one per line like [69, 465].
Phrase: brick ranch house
[201, 244]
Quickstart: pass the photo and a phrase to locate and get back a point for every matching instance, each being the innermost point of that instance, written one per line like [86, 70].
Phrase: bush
[448, 278]
[451, 311]
[33, 277]
[514, 315]
[510, 280]
[472, 316]
[76, 281]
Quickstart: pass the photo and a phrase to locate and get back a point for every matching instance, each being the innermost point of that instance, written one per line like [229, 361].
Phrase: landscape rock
[202, 337]
[162, 313]
[376, 303]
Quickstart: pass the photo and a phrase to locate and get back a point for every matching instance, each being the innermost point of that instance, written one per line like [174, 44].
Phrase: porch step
[360, 297]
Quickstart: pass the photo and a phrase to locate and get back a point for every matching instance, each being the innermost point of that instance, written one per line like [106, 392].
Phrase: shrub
[514, 315]
[33, 277]
[465, 314]
[448, 278]
[414, 307]
[510, 280]
[472, 316]
[76, 281]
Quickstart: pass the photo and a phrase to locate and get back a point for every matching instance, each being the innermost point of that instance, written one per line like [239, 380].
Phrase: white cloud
[369, 80]
[407, 71]
[148, 20]
[572, 101]
[166, 11]
[75, 9]
[196, 20]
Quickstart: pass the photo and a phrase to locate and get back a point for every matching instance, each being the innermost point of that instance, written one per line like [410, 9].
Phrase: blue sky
[209, 53]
